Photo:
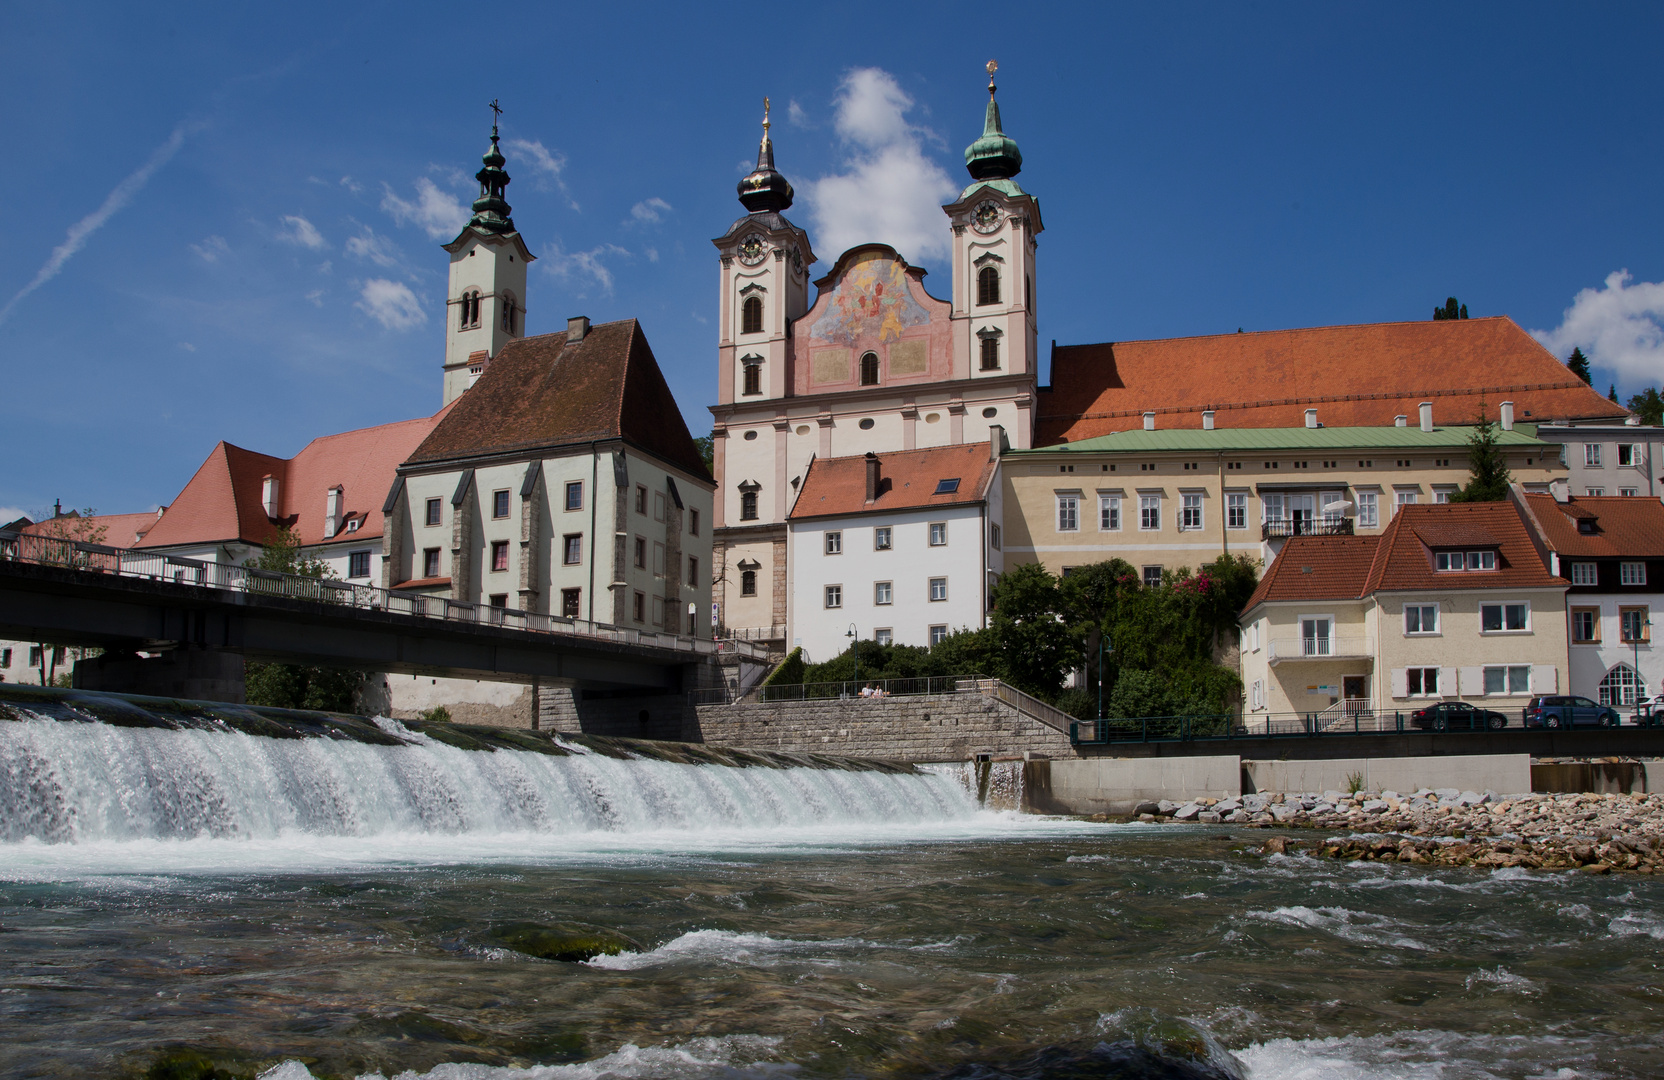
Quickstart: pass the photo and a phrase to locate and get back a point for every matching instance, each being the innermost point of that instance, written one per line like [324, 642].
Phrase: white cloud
[378, 249]
[351, 185]
[297, 230]
[889, 190]
[548, 166]
[1620, 327]
[650, 211]
[317, 297]
[652, 255]
[9, 514]
[392, 304]
[583, 265]
[119, 196]
[795, 113]
[437, 212]
[211, 248]
[187, 346]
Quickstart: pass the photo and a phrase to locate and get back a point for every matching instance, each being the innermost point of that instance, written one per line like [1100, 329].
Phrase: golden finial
[765, 117]
[993, 66]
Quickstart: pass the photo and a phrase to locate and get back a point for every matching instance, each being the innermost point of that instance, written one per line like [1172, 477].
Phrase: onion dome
[994, 156]
[491, 209]
[765, 189]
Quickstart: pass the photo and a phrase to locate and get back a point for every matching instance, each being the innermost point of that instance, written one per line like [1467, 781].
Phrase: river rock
[1167, 806]
[1333, 796]
[1447, 793]
[1255, 803]
[1146, 807]
[1284, 812]
[1210, 817]
[1375, 806]
[1187, 812]
[1225, 806]
[571, 942]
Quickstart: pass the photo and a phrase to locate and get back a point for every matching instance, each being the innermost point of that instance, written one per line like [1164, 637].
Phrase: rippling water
[937, 943]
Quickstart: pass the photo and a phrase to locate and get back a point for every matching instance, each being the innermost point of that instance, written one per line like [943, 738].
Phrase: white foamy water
[1365, 928]
[1421, 1055]
[732, 1057]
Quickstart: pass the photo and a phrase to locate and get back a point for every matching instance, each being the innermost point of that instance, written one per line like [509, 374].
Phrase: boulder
[1210, 817]
[1146, 807]
[1255, 803]
[571, 942]
[1167, 806]
[1225, 806]
[1187, 812]
[1375, 806]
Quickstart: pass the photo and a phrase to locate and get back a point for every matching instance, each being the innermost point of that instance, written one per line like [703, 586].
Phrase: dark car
[1457, 716]
[1566, 710]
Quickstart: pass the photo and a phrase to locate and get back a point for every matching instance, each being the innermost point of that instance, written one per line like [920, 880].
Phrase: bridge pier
[193, 674]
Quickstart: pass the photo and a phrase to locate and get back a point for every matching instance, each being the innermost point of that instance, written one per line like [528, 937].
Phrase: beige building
[1449, 602]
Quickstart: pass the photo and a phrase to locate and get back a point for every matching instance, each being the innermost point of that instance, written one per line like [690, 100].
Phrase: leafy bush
[789, 672]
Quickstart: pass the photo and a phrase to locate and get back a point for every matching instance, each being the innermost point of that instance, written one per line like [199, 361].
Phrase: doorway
[1354, 690]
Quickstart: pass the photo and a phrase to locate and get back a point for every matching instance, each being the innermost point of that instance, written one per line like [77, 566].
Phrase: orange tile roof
[1355, 376]
[1317, 568]
[1629, 526]
[907, 480]
[120, 530]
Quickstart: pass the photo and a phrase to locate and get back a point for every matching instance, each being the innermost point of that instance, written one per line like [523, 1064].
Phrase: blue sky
[223, 220]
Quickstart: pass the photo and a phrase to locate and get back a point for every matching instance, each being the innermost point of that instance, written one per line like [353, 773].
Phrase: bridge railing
[18, 546]
[857, 690]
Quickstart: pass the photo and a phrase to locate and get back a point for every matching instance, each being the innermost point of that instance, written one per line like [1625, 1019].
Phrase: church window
[748, 583]
[748, 506]
[988, 286]
[990, 354]
[753, 379]
[869, 369]
[469, 314]
[751, 321]
[509, 312]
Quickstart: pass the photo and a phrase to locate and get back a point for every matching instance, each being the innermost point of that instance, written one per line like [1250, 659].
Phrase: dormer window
[468, 314]
[1464, 560]
[751, 315]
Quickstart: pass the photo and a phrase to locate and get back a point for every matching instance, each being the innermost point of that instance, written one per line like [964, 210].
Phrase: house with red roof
[1451, 602]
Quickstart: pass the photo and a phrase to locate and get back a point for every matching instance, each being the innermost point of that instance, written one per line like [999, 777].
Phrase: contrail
[81, 230]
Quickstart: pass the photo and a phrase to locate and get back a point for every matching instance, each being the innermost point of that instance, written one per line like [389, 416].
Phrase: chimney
[1207, 419]
[269, 496]
[1149, 421]
[577, 328]
[1561, 491]
[1311, 418]
[872, 476]
[1507, 416]
[1427, 416]
[1632, 420]
[332, 511]
[1401, 421]
[996, 441]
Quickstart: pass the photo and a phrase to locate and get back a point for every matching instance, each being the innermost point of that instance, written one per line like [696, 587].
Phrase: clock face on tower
[986, 218]
[752, 250]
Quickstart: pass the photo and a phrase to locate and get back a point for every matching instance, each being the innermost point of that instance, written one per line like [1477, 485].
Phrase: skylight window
[947, 487]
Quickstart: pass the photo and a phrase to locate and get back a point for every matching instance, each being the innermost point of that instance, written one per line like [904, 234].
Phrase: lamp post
[693, 619]
[854, 653]
[1103, 644]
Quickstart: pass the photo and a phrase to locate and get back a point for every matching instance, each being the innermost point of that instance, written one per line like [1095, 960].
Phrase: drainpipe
[594, 494]
[1224, 534]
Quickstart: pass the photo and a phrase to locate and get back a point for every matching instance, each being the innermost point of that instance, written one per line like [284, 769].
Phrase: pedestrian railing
[22, 547]
[857, 691]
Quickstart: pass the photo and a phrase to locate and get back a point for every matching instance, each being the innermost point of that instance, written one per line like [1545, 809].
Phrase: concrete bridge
[68, 593]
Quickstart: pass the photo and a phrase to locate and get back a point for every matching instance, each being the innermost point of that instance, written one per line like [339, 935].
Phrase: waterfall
[71, 782]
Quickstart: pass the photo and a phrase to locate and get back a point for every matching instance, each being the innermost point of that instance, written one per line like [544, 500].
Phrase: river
[331, 905]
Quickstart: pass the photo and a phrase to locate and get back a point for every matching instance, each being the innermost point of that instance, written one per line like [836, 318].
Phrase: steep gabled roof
[221, 503]
[1356, 376]
[1317, 568]
[1624, 526]
[908, 479]
[1404, 559]
[540, 393]
[120, 530]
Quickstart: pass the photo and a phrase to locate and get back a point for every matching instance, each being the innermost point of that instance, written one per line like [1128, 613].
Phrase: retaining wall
[1102, 785]
[1505, 774]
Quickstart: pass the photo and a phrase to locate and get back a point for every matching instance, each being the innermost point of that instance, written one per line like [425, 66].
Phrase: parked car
[1457, 716]
[1649, 712]
[1567, 710]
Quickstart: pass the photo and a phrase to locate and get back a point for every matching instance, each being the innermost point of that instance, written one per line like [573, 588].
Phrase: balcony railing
[1332, 647]
[1283, 528]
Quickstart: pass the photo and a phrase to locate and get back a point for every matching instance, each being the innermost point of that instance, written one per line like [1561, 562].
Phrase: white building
[1610, 459]
[899, 548]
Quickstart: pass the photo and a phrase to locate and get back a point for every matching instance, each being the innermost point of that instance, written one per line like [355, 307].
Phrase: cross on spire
[496, 114]
[993, 66]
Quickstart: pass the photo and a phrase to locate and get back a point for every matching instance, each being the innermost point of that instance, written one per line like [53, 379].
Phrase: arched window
[988, 286]
[748, 583]
[751, 322]
[469, 316]
[1622, 686]
[869, 369]
[753, 379]
[990, 353]
[748, 506]
[509, 312]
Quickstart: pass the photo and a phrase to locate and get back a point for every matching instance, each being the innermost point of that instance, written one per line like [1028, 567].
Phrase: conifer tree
[1488, 476]
[1579, 365]
[1648, 405]
[1451, 310]
[1612, 394]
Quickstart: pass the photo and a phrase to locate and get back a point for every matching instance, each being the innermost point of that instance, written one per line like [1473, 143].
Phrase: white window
[881, 538]
[834, 596]
[1068, 513]
[1585, 573]
[1406, 498]
[1628, 493]
[1256, 694]
[1109, 513]
[1512, 679]
[1594, 492]
[994, 537]
[1369, 509]
[882, 593]
[1481, 560]
[937, 634]
[1443, 492]
[1504, 618]
[1622, 686]
[938, 533]
[1421, 618]
[938, 588]
[1152, 577]
[1422, 682]
[1591, 454]
[1236, 511]
[1448, 560]
[1149, 512]
[883, 635]
[1190, 512]
[1626, 455]
[835, 543]
[1271, 508]
[1632, 573]
[1316, 638]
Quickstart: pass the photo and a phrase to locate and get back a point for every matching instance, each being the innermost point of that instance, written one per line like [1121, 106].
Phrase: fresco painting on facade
[872, 301]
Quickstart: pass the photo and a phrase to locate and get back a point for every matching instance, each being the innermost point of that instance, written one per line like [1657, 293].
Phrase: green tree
[1612, 394]
[706, 445]
[1648, 405]
[1488, 476]
[1035, 645]
[297, 686]
[1579, 365]
[1451, 310]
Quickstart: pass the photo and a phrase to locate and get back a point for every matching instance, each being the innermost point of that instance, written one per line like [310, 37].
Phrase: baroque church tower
[486, 299]
[873, 363]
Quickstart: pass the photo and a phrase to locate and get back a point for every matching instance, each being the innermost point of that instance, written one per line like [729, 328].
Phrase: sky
[223, 221]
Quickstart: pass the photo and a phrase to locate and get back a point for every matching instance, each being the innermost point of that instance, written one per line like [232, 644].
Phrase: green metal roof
[1003, 186]
[1196, 440]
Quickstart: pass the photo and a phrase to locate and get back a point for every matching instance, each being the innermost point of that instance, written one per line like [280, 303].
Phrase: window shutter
[1448, 685]
[1473, 682]
[1400, 682]
[1545, 679]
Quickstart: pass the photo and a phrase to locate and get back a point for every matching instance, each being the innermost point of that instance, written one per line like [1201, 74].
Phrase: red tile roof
[907, 480]
[1625, 526]
[1353, 567]
[1355, 376]
[539, 394]
[120, 530]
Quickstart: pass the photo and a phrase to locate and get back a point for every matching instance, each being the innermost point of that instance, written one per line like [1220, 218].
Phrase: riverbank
[1595, 833]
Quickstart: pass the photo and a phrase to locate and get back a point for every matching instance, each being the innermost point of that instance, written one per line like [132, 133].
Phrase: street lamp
[693, 619]
[854, 654]
[1103, 645]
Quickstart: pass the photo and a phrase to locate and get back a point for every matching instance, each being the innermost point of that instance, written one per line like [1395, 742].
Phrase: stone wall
[1102, 785]
[1508, 774]
[938, 727]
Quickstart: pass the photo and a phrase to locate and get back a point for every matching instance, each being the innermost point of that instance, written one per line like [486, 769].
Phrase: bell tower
[995, 225]
[485, 302]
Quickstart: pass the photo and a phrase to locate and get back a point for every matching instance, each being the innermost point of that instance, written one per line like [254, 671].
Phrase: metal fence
[249, 581]
[859, 690]
[1352, 720]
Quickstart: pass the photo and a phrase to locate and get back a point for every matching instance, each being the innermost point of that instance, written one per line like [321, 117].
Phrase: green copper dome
[491, 209]
[994, 156]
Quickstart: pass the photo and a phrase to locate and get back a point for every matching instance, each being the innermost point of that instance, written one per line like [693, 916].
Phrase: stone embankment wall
[1509, 773]
[1102, 785]
[936, 727]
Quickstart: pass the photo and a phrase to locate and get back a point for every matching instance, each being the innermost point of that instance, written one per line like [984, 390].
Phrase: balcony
[1283, 528]
[1333, 647]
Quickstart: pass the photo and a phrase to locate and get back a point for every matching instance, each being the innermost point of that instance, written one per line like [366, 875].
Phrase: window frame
[751, 315]
[832, 542]
[1627, 617]
[751, 378]
[434, 512]
[500, 506]
[1632, 573]
[989, 354]
[572, 549]
[1150, 580]
[1236, 510]
[574, 499]
[938, 534]
[1371, 499]
[571, 603]
[748, 583]
[1577, 615]
[883, 593]
[748, 506]
[1421, 609]
[884, 635]
[1507, 672]
[1068, 511]
[353, 562]
[1420, 689]
[869, 373]
[1109, 511]
[1591, 455]
[431, 563]
[832, 597]
[1627, 456]
[693, 572]
[942, 590]
[1149, 513]
[882, 538]
[499, 556]
[1502, 606]
[1190, 511]
[987, 286]
[693, 521]
[937, 634]
[1585, 573]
